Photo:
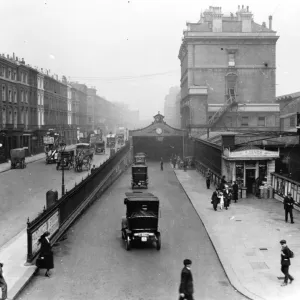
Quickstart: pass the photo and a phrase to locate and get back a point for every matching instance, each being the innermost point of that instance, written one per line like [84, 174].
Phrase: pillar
[270, 169]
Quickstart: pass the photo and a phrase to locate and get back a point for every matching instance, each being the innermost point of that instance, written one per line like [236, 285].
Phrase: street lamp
[63, 147]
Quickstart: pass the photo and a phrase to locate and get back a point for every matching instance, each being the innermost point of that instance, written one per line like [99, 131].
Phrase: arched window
[15, 118]
[3, 116]
[10, 116]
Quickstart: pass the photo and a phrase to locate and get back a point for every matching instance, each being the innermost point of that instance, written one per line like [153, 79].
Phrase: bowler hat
[187, 262]
[282, 242]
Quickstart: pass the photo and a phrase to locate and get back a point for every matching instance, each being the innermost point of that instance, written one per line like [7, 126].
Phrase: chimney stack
[14, 58]
[7, 56]
[270, 22]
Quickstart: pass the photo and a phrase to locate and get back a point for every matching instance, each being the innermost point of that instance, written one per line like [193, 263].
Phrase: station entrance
[158, 140]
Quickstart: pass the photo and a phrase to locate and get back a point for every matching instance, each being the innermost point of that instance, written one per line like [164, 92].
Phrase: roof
[82, 144]
[248, 147]
[139, 197]
[288, 97]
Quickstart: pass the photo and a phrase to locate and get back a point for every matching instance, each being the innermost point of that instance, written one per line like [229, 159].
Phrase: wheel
[158, 241]
[128, 243]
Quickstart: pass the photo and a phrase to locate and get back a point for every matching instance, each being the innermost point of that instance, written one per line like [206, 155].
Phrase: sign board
[48, 140]
[256, 153]
[51, 225]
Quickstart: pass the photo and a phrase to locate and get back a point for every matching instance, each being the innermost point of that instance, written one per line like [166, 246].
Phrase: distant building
[228, 69]
[170, 107]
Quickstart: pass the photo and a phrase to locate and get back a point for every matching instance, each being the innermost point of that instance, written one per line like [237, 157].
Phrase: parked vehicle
[65, 159]
[139, 176]
[141, 221]
[50, 148]
[17, 158]
[99, 147]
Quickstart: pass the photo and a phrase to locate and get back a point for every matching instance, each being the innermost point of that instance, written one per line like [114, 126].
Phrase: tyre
[127, 244]
[158, 241]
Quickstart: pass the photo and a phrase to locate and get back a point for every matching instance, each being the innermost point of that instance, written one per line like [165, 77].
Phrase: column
[257, 169]
[270, 169]
[233, 171]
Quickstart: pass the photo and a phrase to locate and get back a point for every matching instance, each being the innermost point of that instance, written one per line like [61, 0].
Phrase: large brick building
[228, 68]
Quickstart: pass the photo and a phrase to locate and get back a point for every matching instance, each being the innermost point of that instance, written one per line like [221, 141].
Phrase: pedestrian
[161, 164]
[235, 190]
[3, 283]
[286, 254]
[186, 288]
[227, 197]
[45, 260]
[288, 204]
[215, 199]
[221, 199]
[93, 169]
[223, 182]
[208, 178]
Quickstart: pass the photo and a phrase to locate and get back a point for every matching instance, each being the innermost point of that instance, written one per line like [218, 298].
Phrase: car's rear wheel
[158, 241]
[128, 244]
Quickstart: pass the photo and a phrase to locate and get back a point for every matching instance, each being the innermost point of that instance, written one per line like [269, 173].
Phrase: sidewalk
[238, 234]
[6, 166]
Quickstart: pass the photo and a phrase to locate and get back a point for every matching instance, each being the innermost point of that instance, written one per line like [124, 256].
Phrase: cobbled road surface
[91, 261]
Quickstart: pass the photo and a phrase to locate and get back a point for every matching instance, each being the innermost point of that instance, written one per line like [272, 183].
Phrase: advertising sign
[48, 140]
[51, 225]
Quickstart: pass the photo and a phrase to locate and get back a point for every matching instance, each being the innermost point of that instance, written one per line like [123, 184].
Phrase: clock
[158, 130]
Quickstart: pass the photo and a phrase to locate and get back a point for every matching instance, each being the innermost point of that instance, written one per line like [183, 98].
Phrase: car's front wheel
[128, 244]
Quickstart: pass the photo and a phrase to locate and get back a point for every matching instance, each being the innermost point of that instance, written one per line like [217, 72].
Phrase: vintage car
[65, 159]
[139, 176]
[84, 148]
[141, 221]
[17, 158]
[140, 158]
[99, 147]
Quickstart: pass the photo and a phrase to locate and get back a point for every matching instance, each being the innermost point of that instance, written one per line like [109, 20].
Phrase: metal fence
[202, 168]
[54, 217]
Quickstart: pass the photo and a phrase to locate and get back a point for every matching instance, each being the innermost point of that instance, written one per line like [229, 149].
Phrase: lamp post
[63, 147]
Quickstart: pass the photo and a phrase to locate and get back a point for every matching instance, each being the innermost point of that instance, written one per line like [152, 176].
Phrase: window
[26, 80]
[14, 75]
[229, 121]
[245, 121]
[26, 97]
[10, 117]
[22, 96]
[15, 96]
[39, 101]
[15, 118]
[231, 60]
[9, 95]
[292, 121]
[261, 121]
[9, 73]
[3, 93]
[26, 117]
[22, 77]
[1, 71]
[42, 99]
[3, 116]
[22, 116]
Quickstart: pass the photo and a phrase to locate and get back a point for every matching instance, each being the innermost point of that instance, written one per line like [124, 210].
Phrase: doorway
[250, 179]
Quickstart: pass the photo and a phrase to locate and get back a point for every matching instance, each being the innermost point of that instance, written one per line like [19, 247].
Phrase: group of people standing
[223, 194]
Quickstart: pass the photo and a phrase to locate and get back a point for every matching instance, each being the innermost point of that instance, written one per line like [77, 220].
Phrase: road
[92, 263]
[23, 193]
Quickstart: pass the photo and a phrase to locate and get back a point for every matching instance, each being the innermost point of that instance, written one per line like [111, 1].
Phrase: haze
[129, 49]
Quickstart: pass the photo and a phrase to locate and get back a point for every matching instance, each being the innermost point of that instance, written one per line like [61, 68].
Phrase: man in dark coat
[288, 204]
[3, 283]
[208, 178]
[161, 164]
[235, 190]
[285, 262]
[227, 197]
[186, 288]
[215, 199]
[222, 184]
[45, 260]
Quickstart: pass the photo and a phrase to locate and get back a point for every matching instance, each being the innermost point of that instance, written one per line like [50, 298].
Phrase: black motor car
[141, 221]
[99, 147]
[139, 176]
[65, 159]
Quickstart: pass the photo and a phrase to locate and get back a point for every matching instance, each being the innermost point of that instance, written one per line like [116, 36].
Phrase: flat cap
[282, 242]
[187, 262]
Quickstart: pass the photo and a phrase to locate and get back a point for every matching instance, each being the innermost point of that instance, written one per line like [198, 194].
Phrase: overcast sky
[104, 42]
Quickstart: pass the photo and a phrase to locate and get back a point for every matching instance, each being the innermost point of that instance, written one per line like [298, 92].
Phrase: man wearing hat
[288, 204]
[3, 284]
[186, 288]
[285, 262]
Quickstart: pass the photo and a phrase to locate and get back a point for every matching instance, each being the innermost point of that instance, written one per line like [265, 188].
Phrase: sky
[129, 50]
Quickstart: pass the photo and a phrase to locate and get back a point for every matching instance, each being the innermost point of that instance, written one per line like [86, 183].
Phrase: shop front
[250, 167]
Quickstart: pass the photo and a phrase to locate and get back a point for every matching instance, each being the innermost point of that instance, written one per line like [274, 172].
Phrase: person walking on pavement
[235, 190]
[286, 254]
[161, 164]
[227, 197]
[45, 260]
[223, 182]
[215, 199]
[221, 199]
[208, 178]
[288, 204]
[186, 288]
[3, 283]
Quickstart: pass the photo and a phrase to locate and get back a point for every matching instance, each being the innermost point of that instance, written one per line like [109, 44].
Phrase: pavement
[6, 166]
[246, 238]
[14, 253]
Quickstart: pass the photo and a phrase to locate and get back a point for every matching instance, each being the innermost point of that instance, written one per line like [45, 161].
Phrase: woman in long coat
[45, 260]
